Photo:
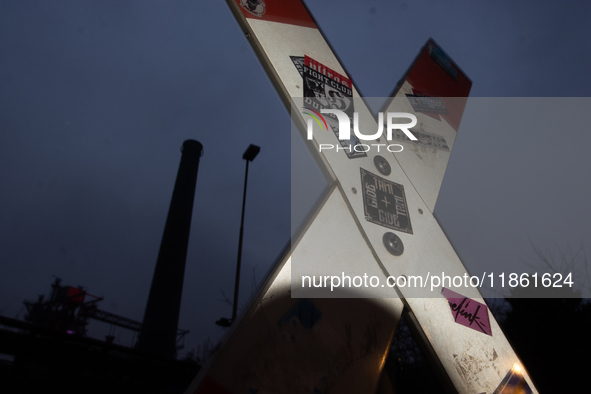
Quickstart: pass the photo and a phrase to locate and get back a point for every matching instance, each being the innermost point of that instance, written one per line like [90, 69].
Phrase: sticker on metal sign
[427, 104]
[291, 12]
[514, 383]
[326, 88]
[442, 60]
[255, 7]
[467, 312]
[384, 202]
[424, 139]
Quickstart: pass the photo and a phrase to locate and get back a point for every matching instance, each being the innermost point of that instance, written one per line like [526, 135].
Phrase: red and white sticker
[292, 12]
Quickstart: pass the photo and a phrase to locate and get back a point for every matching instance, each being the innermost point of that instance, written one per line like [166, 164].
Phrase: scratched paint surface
[513, 383]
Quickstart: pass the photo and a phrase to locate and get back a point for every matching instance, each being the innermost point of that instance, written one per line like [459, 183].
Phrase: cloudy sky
[96, 98]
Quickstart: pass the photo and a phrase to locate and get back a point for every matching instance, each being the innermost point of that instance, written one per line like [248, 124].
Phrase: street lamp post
[251, 152]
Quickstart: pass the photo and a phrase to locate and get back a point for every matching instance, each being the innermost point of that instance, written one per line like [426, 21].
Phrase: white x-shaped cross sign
[373, 232]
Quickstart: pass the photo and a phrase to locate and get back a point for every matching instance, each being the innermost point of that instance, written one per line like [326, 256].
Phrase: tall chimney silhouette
[160, 325]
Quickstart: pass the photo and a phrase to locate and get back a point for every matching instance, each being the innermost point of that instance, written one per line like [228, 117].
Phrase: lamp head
[251, 152]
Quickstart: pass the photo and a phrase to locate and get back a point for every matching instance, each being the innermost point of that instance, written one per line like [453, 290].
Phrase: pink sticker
[468, 312]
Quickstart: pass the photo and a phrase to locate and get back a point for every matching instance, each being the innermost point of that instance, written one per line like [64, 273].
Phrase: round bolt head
[393, 244]
[382, 165]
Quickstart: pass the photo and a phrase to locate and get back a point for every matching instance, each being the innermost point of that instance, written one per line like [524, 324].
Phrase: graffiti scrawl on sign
[467, 312]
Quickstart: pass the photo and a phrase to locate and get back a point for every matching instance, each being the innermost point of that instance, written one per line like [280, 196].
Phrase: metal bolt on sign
[393, 244]
[382, 165]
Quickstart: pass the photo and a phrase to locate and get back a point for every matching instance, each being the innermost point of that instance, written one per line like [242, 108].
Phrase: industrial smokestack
[160, 325]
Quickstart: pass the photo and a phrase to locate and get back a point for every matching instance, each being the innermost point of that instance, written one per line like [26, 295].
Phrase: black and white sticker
[325, 88]
[424, 139]
[426, 104]
[384, 202]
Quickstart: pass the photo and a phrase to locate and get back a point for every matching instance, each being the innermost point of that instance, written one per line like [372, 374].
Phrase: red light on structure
[74, 296]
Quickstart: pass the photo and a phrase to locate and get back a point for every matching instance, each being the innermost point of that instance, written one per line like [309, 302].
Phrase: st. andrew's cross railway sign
[375, 219]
